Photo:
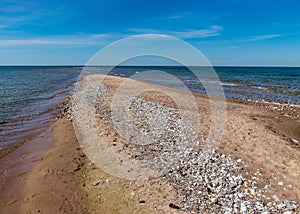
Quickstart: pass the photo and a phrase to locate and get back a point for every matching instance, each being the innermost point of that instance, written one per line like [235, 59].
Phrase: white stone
[243, 208]
[275, 198]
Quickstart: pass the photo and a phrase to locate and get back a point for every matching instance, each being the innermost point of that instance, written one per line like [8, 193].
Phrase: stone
[275, 198]
[96, 183]
[174, 206]
[244, 208]
[288, 205]
[206, 181]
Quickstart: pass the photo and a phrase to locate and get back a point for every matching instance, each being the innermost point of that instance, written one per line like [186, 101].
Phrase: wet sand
[266, 136]
[15, 168]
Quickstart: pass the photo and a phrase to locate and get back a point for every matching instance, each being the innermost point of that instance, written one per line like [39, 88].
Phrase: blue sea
[29, 95]
[273, 84]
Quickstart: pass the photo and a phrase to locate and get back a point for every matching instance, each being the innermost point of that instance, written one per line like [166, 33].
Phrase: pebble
[275, 198]
[96, 183]
[204, 180]
[243, 208]
[288, 204]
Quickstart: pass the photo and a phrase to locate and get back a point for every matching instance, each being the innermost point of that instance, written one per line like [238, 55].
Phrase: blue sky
[227, 32]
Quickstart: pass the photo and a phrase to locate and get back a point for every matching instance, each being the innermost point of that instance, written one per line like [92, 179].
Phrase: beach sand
[265, 136]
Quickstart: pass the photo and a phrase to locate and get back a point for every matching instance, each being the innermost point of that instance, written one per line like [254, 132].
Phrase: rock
[244, 208]
[174, 206]
[206, 181]
[239, 160]
[96, 183]
[288, 205]
[275, 198]
[232, 185]
[228, 210]
[251, 205]
[77, 169]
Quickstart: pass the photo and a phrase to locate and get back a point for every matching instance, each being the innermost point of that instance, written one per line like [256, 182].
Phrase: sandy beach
[261, 138]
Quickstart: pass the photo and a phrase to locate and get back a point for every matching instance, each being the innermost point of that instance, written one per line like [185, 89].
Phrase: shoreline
[17, 161]
[287, 107]
[258, 116]
[15, 167]
[48, 117]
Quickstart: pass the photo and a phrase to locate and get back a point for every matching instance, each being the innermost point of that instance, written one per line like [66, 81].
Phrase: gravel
[205, 180]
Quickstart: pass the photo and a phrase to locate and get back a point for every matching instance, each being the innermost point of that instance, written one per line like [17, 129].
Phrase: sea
[30, 95]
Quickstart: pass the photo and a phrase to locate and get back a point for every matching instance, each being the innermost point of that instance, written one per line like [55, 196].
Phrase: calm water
[27, 94]
[249, 83]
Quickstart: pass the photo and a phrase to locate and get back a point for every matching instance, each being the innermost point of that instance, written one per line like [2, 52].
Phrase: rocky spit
[205, 181]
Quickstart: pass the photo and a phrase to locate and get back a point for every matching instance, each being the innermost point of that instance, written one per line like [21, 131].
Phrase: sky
[227, 32]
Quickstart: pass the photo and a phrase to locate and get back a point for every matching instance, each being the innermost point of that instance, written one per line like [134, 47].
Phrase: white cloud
[175, 17]
[182, 15]
[70, 40]
[101, 39]
[264, 37]
[201, 33]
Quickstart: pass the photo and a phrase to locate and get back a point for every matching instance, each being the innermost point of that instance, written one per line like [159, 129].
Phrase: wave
[259, 87]
[229, 84]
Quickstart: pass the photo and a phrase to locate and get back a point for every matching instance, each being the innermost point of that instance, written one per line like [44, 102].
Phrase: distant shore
[264, 136]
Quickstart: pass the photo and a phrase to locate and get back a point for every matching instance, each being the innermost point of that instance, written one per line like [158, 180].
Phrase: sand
[264, 135]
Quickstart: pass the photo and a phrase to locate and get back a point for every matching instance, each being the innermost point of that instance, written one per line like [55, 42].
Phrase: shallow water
[28, 97]
[29, 94]
[280, 85]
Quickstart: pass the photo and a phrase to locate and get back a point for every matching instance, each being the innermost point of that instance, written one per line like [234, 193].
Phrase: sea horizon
[151, 65]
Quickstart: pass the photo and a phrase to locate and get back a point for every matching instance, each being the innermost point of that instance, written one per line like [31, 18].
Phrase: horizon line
[70, 65]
